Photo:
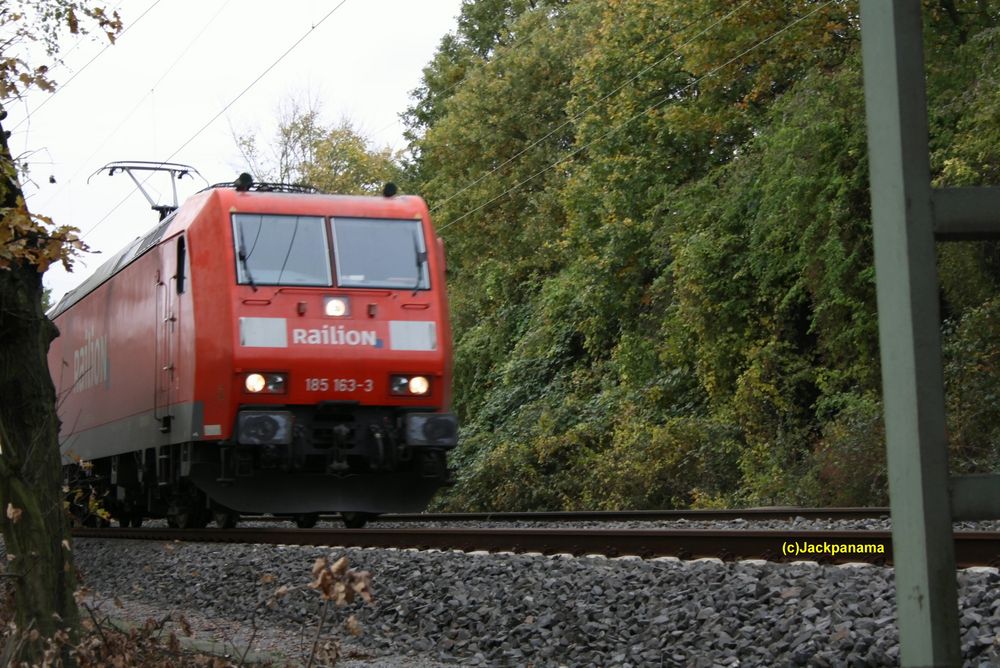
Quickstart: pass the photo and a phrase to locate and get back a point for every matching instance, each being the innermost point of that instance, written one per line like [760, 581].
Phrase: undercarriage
[288, 462]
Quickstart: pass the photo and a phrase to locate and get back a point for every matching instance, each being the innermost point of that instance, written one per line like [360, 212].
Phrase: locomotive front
[337, 357]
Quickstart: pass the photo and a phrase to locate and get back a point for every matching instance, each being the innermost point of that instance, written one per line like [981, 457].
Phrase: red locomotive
[264, 349]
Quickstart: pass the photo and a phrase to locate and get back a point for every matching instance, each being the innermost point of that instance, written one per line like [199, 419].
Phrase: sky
[178, 65]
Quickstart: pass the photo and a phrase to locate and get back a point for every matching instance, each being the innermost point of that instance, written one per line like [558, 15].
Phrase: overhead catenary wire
[222, 111]
[79, 41]
[82, 69]
[135, 108]
[588, 108]
[637, 115]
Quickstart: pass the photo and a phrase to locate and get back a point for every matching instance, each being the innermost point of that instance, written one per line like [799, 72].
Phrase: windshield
[281, 250]
[380, 253]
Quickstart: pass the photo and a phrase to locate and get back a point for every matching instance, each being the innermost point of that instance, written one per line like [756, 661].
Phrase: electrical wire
[632, 118]
[135, 108]
[76, 45]
[221, 112]
[81, 70]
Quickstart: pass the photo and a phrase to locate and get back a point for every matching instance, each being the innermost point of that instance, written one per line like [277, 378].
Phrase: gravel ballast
[796, 524]
[514, 610]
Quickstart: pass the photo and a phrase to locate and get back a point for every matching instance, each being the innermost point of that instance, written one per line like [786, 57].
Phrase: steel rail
[769, 513]
[972, 548]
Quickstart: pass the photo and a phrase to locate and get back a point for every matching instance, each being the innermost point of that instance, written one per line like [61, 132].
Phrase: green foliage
[966, 132]
[670, 465]
[483, 27]
[972, 378]
[344, 163]
[967, 153]
[657, 215]
[335, 159]
[27, 24]
[31, 239]
[849, 467]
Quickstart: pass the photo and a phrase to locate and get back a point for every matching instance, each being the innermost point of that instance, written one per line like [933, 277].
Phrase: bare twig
[97, 624]
[253, 636]
[13, 648]
[319, 629]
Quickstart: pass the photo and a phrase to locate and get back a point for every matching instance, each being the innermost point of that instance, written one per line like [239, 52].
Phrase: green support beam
[966, 213]
[975, 497]
[909, 332]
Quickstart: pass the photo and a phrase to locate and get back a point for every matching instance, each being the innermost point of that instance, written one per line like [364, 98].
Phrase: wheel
[225, 518]
[188, 509]
[130, 519]
[356, 520]
[96, 522]
[307, 521]
[187, 518]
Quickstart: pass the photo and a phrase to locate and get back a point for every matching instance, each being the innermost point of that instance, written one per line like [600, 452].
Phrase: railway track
[769, 513]
[972, 548]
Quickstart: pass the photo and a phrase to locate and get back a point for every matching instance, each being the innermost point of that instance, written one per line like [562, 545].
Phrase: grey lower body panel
[135, 432]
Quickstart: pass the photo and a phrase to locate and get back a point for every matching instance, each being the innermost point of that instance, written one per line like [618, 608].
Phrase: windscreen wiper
[243, 257]
[421, 261]
[288, 253]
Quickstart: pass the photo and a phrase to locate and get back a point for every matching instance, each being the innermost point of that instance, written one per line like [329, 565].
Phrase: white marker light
[335, 307]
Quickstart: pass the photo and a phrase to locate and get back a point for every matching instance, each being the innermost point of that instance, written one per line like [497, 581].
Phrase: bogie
[356, 520]
[225, 518]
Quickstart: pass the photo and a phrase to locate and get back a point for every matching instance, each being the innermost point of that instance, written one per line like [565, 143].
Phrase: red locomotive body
[263, 352]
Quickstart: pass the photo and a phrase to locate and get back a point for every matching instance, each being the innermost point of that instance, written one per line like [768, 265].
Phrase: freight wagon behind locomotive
[263, 349]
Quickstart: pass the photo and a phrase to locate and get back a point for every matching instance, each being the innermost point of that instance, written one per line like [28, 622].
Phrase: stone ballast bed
[452, 608]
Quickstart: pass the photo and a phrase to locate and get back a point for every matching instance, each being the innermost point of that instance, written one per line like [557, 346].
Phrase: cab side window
[181, 264]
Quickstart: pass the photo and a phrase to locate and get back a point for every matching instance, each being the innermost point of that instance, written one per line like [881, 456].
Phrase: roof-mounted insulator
[243, 182]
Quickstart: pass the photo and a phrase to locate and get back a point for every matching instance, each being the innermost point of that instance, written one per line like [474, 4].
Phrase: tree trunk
[39, 560]
[952, 11]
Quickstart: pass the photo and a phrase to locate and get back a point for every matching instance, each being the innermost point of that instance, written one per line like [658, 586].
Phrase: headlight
[419, 385]
[265, 383]
[336, 307]
[410, 385]
[264, 428]
[434, 429]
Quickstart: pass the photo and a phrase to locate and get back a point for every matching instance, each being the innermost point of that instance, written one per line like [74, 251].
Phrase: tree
[35, 527]
[344, 162]
[282, 160]
[336, 159]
